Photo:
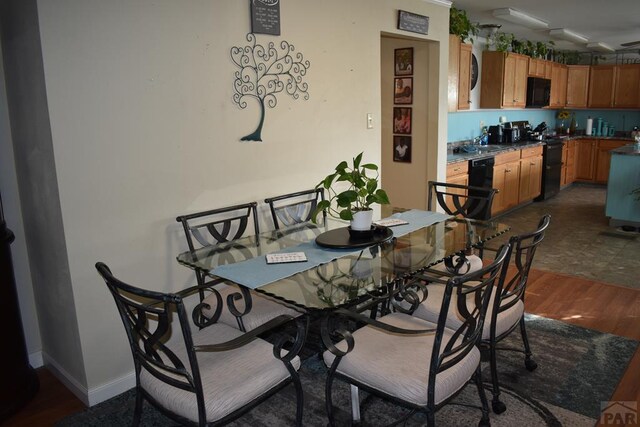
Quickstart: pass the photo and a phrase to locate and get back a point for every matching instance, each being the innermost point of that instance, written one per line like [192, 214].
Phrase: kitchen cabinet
[577, 86]
[504, 80]
[627, 86]
[558, 85]
[568, 173]
[457, 173]
[506, 179]
[530, 180]
[464, 77]
[601, 86]
[603, 157]
[452, 80]
[536, 67]
[593, 158]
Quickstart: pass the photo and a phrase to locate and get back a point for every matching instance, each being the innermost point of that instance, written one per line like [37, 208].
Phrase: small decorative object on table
[354, 203]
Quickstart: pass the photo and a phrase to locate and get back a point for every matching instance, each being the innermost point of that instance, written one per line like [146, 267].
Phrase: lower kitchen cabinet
[506, 179]
[457, 173]
[568, 174]
[530, 174]
[593, 158]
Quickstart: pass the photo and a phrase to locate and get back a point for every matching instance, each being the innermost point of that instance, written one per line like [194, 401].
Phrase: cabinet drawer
[459, 168]
[531, 152]
[511, 156]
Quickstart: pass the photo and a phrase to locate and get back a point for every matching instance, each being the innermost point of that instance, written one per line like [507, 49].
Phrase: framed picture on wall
[402, 120]
[401, 148]
[403, 90]
[403, 61]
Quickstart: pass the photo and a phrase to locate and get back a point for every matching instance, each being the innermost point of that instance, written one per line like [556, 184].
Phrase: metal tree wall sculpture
[264, 73]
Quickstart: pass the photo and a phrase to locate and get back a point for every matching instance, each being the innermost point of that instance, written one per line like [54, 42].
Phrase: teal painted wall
[466, 125]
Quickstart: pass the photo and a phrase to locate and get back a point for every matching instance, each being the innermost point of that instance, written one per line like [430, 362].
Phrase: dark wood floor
[582, 302]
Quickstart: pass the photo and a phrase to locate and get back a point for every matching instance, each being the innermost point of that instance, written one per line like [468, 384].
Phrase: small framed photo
[402, 120]
[402, 148]
[403, 61]
[403, 90]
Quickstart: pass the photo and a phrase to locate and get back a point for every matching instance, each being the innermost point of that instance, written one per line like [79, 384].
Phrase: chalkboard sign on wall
[265, 17]
[413, 22]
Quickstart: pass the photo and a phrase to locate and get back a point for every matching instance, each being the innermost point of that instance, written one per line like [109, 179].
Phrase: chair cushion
[430, 309]
[263, 309]
[230, 379]
[475, 264]
[399, 364]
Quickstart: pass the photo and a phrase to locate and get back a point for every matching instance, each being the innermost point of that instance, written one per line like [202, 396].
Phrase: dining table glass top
[358, 274]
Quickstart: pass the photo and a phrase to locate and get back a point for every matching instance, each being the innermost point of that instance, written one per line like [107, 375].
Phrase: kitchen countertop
[628, 150]
[492, 150]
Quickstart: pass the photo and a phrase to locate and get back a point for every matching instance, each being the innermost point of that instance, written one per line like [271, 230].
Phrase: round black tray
[340, 238]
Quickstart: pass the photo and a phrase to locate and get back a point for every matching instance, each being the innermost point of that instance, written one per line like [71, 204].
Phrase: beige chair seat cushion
[429, 310]
[398, 365]
[263, 309]
[230, 379]
[475, 264]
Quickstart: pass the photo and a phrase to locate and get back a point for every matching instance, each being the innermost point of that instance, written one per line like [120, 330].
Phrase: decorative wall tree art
[264, 73]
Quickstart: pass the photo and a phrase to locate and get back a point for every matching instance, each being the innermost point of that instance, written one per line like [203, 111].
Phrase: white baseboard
[35, 360]
[95, 395]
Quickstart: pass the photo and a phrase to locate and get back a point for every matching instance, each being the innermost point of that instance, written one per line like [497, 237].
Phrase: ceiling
[612, 22]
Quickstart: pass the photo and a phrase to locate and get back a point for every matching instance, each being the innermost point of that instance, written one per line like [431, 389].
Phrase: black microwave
[538, 92]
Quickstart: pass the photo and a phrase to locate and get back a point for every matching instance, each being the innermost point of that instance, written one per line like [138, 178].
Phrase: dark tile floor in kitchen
[580, 241]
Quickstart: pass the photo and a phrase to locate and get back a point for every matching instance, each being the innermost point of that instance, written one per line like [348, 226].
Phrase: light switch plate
[369, 121]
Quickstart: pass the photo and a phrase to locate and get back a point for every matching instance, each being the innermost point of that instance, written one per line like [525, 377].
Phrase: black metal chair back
[294, 208]
[522, 250]
[218, 225]
[473, 294]
[461, 200]
[146, 316]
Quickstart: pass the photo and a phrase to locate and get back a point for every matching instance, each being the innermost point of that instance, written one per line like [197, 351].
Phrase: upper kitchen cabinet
[459, 79]
[537, 67]
[577, 86]
[504, 80]
[627, 86]
[558, 85]
[601, 86]
[464, 77]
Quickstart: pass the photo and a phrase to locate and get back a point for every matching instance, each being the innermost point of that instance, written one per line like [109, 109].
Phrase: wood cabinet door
[464, 77]
[558, 86]
[508, 95]
[570, 162]
[627, 86]
[530, 178]
[511, 185]
[601, 86]
[577, 85]
[585, 158]
[454, 65]
[603, 157]
[520, 81]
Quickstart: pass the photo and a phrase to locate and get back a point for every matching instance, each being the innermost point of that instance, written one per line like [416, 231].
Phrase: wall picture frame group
[402, 120]
[403, 61]
[402, 148]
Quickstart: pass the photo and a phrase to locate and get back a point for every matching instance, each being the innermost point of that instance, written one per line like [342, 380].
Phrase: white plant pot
[362, 220]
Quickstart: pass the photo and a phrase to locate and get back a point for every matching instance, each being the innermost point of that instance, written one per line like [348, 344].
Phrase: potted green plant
[354, 203]
[461, 26]
[501, 42]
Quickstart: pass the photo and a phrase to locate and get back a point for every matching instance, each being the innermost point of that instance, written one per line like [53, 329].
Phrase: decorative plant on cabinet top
[362, 192]
[264, 73]
[461, 26]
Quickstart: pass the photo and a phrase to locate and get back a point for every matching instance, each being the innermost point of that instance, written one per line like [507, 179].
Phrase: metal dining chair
[228, 303]
[294, 208]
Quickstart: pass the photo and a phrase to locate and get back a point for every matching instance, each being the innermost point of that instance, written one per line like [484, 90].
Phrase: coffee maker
[496, 134]
[511, 133]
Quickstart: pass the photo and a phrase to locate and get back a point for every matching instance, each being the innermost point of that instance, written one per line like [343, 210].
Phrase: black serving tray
[341, 238]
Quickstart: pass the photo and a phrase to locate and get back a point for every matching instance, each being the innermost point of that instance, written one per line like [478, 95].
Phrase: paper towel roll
[589, 126]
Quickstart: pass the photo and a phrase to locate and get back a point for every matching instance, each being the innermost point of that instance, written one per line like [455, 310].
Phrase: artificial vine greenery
[461, 26]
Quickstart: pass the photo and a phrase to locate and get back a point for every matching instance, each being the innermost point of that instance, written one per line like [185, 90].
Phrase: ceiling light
[600, 47]
[518, 17]
[564, 34]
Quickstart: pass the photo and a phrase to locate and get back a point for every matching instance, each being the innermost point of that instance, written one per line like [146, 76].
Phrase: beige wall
[143, 129]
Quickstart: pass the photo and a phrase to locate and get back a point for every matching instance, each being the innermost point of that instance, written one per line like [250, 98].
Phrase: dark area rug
[578, 368]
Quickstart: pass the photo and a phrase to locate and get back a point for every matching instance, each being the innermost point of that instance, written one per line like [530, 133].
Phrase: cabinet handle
[456, 169]
[507, 170]
[532, 163]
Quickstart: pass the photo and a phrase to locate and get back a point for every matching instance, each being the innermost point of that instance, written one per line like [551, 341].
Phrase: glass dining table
[345, 276]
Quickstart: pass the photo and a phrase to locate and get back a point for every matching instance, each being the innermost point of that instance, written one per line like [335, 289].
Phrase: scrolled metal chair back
[218, 225]
[522, 252]
[294, 208]
[146, 316]
[473, 293]
[462, 200]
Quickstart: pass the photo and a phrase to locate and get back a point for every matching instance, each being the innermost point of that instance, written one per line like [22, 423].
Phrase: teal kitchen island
[623, 208]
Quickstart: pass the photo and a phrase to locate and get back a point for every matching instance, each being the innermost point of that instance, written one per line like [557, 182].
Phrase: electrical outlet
[481, 125]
